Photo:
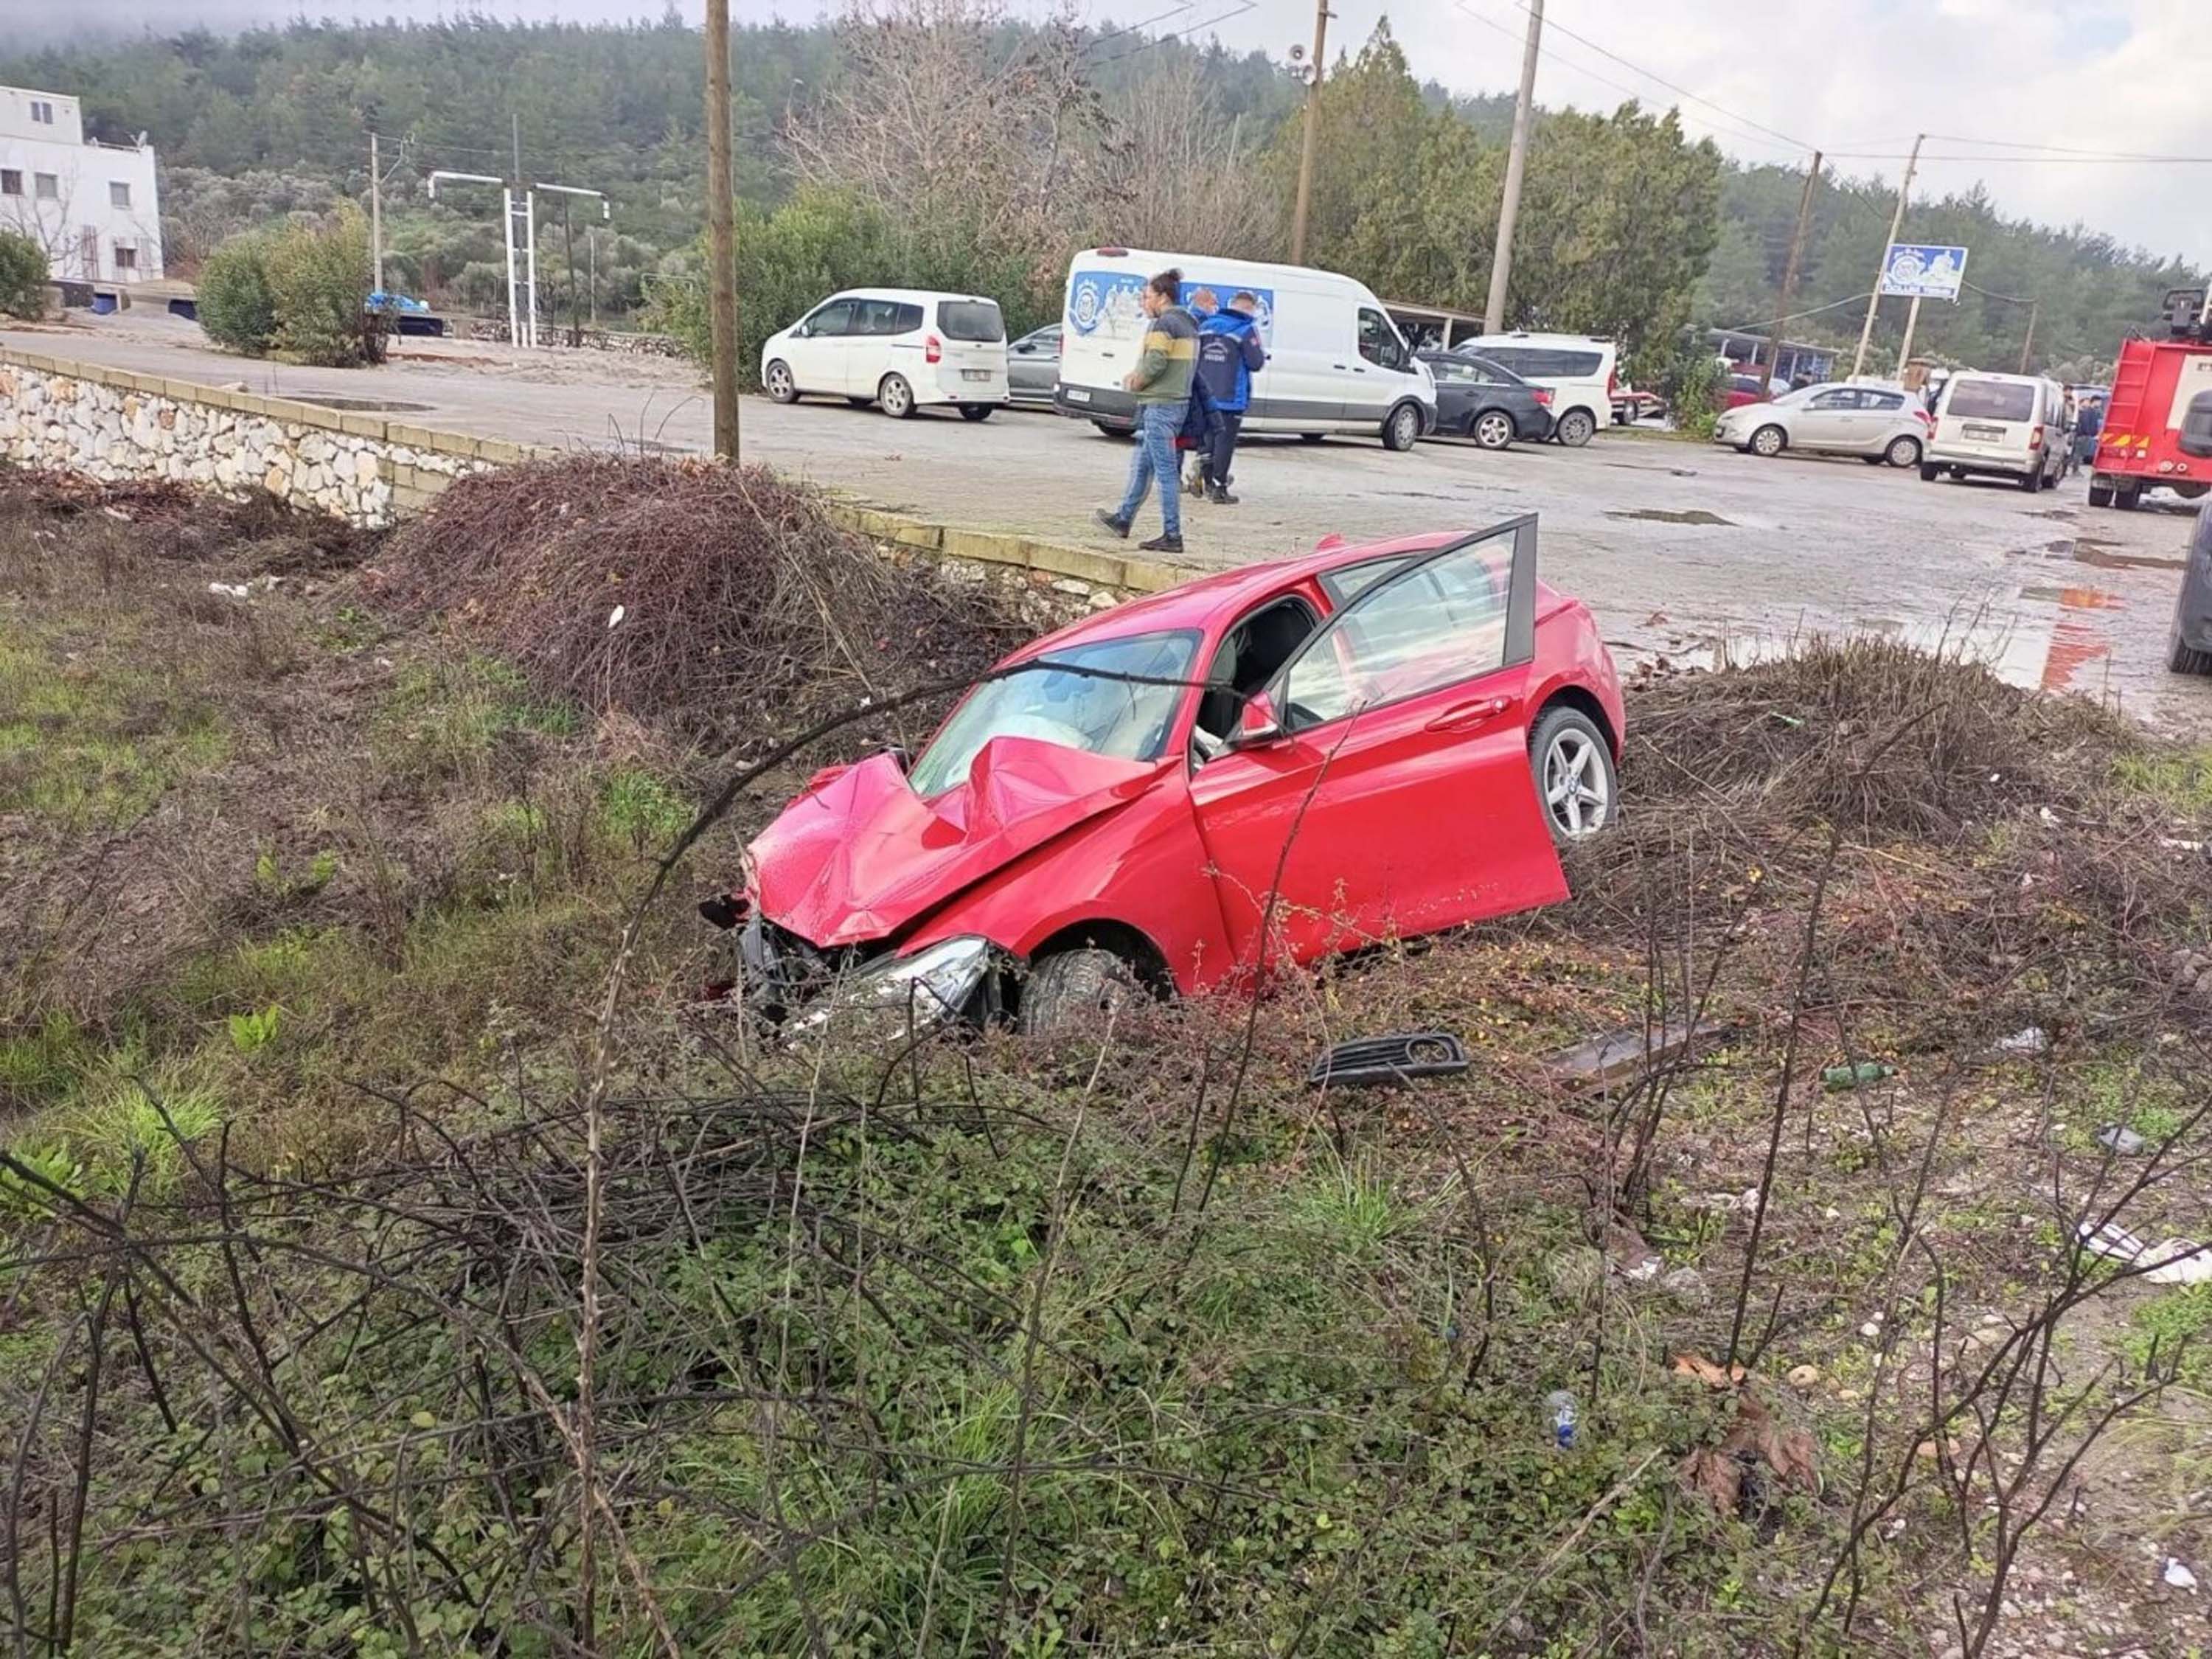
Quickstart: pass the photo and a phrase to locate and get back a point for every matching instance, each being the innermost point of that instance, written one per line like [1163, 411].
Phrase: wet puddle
[2099, 555]
[2043, 646]
[1661, 515]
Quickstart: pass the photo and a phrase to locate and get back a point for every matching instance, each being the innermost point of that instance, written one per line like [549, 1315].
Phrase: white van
[1335, 361]
[1578, 369]
[2008, 426]
[900, 348]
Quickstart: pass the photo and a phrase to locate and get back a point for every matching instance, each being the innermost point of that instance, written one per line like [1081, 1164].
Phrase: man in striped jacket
[1162, 381]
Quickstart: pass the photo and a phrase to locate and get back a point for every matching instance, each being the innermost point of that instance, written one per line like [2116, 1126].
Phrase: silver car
[1877, 423]
[1033, 366]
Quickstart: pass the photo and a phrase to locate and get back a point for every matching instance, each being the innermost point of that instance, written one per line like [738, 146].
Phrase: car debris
[2178, 1261]
[2122, 1139]
[1364, 1061]
[1204, 788]
[1629, 1052]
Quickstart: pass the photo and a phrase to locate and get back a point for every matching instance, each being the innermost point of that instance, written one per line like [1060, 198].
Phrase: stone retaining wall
[112, 424]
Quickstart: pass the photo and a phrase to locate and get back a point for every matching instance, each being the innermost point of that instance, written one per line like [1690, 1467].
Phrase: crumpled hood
[860, 855]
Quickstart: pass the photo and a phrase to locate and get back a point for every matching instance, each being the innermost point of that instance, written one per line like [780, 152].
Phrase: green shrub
[822, 240]
[22, 276]
[235, 309]
[318, 278]
[1691, 385]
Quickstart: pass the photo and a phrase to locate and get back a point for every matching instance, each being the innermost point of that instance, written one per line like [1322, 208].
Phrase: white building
[92, 206]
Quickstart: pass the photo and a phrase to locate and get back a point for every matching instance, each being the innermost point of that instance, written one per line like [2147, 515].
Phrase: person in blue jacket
[1229, 350]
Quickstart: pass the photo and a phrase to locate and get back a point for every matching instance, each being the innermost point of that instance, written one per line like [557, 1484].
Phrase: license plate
[975, 373]
[1076, 394]
[1984, 435]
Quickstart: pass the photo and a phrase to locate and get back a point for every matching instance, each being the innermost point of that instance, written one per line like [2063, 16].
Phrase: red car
[1362, 744]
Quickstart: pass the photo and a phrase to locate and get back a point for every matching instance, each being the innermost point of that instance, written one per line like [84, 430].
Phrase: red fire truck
[2158, 428]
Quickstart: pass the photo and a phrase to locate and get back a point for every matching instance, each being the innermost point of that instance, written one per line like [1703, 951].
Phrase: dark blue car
[1479, 399]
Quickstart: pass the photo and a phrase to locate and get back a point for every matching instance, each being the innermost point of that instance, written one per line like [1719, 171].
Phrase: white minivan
[1578, 369]
[2008, 426]
[900, 348]
[1335, 361]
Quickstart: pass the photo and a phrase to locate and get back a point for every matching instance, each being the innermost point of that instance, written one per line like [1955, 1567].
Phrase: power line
[2060, 150]
[1564, 62]
[1795, 143]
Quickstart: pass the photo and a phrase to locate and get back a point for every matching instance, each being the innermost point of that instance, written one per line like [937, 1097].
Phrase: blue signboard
[1923, 271]
[1105, 302]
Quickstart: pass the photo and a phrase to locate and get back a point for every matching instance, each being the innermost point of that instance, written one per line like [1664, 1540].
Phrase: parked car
[1259, 767]
[1877, 423]
[899, 347]
[2010, 426]
[1477, 399]
[1577, 367]
[1336, 363]
[1743, 389]
[1033, 366]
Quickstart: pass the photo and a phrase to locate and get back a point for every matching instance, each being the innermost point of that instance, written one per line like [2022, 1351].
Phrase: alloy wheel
[1577, 793]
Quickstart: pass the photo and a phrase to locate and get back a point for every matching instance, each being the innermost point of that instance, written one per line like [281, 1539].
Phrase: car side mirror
[1257, 724]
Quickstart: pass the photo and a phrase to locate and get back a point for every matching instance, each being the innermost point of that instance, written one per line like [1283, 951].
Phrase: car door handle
[1336, 365]
[1466, 716]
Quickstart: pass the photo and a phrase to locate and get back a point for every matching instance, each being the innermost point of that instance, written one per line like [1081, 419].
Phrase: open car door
[1391, 788]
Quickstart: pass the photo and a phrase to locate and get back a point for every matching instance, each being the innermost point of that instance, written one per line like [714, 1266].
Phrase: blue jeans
[1154, 457]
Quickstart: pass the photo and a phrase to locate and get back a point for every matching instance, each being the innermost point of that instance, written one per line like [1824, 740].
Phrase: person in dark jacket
[1229, 350]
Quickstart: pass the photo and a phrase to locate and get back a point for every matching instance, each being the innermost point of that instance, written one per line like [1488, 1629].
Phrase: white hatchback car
[1876, 422]
[900, 348]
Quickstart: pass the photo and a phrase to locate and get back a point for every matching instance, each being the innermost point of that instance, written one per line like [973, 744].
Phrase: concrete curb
[1017, 552]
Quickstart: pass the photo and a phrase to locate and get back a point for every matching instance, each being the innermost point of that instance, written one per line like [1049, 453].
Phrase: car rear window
[971, 320]
[1992, 400]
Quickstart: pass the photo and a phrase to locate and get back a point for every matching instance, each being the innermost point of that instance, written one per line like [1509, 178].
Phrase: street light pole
[721, 233]
[1312, 132]
[1517, 162]
[1881, 261]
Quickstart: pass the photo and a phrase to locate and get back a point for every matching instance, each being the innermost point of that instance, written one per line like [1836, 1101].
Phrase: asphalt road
[1682, 551]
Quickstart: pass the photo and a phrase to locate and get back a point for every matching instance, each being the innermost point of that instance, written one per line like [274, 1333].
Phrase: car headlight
[915, 992]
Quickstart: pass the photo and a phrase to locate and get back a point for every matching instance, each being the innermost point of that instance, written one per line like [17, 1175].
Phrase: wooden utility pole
[2027, 345]
[1881, 261]
[721, 233]
[1312, 132]
[1517, 162]
[1790, 268]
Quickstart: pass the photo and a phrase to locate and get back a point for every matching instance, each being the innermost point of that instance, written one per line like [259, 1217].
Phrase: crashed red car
[1362, 744]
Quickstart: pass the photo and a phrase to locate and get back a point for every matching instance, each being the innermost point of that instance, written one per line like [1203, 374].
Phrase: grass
[1209, 1361]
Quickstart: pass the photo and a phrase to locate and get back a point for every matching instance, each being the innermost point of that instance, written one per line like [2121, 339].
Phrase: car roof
[907, 293]
[1199, 605]
[1525, 338]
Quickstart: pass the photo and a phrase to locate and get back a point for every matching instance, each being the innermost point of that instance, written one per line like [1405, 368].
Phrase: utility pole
[375, 213]
[1912, 326]
[2027, 345]
[1881, 263]
[722, 232]
[1312, 132]
[1517, 162]
[1790, 268]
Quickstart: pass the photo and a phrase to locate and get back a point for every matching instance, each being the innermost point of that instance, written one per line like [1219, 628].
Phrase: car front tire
[780, 387]
[1576, 428]
[895, 396]
[1403, 428]
[1071, 990]
[1576, 783]
[1769, 441]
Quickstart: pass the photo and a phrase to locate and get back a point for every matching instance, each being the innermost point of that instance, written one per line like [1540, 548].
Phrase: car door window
[1442, 620]
[835, 318]
[1378, 342]
[877, 317]
[1886, 401]
[1832, 402]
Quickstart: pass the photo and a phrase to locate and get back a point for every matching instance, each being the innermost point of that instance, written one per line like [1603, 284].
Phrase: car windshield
[1072, 698]
[971, 320]
[1992, 400]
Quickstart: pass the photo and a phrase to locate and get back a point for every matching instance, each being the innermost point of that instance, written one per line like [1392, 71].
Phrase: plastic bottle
[1564, 1416]
[1856, 1077]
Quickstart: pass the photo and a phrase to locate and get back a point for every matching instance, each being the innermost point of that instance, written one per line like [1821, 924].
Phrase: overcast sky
[1857, 78]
